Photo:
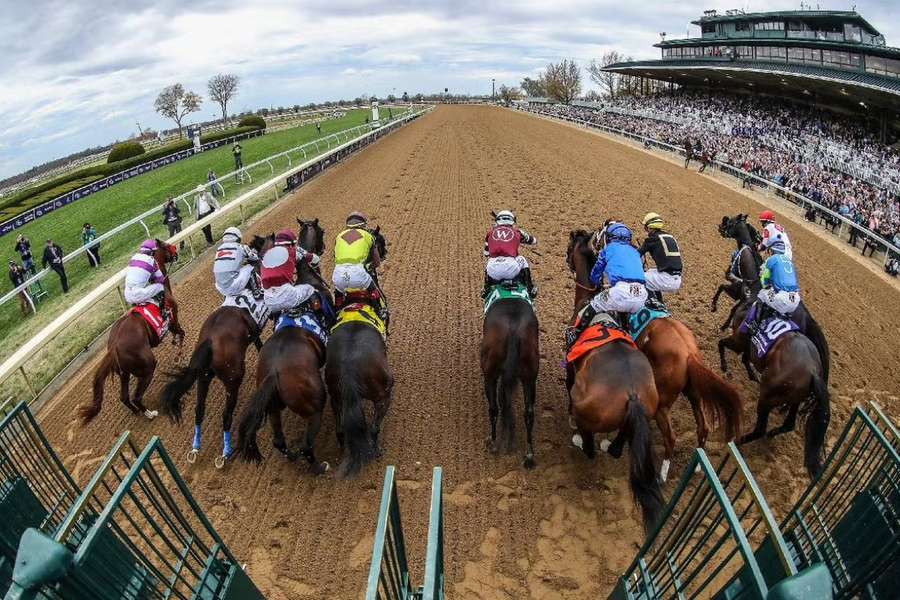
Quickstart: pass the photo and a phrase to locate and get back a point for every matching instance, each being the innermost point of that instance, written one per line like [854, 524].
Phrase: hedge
[221, 135]
[252, 121]
[125, 150]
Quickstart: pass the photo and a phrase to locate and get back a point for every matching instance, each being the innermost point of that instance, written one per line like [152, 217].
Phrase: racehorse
[219, 352]
[129, 348]
[793, 376]
[612, 388]
[288, 370]
[357, 369]
[678, 368]
[510, 354]
[744, 274]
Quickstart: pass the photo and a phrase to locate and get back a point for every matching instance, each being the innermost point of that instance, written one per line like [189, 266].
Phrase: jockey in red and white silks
[501, 246]
[773, 232]
[143, 278]
[279, 269]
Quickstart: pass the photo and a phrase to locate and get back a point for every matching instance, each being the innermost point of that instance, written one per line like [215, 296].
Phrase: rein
[580, 285]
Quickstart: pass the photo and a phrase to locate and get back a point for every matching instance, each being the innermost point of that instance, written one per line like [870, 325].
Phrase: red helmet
[767, 216]
[285, 236]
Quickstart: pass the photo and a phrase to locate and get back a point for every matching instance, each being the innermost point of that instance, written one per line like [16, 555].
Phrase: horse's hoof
[577, 441]
[151, 414]
[192, 455]
[529, 462]
[664, 471]
[572, 423]
[605, 444]
[220, 461]
[322, 468]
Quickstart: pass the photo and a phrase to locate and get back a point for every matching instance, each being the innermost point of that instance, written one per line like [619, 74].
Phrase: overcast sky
[79, 73]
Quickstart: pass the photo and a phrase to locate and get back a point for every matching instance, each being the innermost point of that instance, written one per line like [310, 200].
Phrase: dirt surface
[567, 528]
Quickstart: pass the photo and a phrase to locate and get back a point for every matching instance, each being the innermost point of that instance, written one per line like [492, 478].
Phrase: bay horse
[220, 352]
[612, 388]
[357, 369]
[745, 285]
[129, 349]
[288, 371]
[793, 376]
[510, 354]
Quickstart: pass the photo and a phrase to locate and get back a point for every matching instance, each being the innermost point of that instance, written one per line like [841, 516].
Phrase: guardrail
[184, 198]
[15, 363]
[802, 201]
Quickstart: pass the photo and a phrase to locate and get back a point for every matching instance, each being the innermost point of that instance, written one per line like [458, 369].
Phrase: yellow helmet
[653, 221]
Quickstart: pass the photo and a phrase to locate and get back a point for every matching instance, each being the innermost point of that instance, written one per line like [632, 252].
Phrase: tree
[533, 87]
[607, 80]
[391, 98]
[174, 103]
[562, 81]
[508, 94]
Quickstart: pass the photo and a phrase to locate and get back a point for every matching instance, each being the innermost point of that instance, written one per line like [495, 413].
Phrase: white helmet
[505, 217]
[199, 188]
[232, 231]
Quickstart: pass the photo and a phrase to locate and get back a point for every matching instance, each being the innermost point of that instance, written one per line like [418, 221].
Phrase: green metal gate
[849, 518]
[389, 577]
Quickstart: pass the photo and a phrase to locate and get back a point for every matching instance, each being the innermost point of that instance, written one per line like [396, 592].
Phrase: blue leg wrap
[196, 444]
[227, 446]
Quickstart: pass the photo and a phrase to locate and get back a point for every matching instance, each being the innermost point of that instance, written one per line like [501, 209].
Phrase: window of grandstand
[852, 33]
[771, 53]
[769, 26]
[708, 28]
[842, 60]
[883, 66]
[833, 33]
[800, 30]
[745, 52]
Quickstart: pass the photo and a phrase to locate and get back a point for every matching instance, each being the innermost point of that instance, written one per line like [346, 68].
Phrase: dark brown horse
[220, 352]
[288, 372]
[792, 377]
[612, 388]
[678, 368]
[510, 354]
[357, 369]
[129, 349]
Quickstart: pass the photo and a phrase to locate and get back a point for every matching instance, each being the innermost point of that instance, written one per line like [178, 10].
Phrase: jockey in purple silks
[143, 279]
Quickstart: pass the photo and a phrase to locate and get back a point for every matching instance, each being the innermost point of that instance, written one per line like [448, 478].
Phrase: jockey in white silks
[144, 281]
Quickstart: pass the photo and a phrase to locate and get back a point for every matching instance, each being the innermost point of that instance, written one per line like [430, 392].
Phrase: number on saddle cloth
[507, 290]
[638, 321]
[258, 310]
[768, 334]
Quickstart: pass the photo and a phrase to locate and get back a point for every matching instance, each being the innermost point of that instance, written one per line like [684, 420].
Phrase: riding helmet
[767, 216]
[234, 232]
[357, 218]
[506, 217]
[148, 246]
[285, 237]
[653, 221]
[618, 231]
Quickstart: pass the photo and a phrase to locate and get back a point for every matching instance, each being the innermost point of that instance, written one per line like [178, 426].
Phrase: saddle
[507, 290]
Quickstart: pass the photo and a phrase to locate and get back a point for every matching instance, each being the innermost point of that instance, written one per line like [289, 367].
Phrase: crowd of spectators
[829, 158]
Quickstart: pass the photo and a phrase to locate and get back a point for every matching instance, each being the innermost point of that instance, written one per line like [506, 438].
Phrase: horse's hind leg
[312, 430]
[762, 421]
[714, 305]
[231, 399]
[615, 447]
[278, 440]
[699, 416]
[587, 443]
[529, 391]
[335, 400]
[124, 385]
[381, 410]
[665, 427]
[199, 414]
[790, 422]
[143, 384]
[745, 358]
[490, 392]
[734, 308]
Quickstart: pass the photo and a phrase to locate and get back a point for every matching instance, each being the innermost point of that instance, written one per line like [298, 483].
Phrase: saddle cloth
[508, 290]
[306, 321]
[158, 323]
[258, 310]
[638, 322]
[360, 313]
[602, 330]
[772, 329]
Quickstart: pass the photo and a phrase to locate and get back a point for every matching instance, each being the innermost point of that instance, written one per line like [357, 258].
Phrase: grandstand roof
[844, 16]
[796, 82]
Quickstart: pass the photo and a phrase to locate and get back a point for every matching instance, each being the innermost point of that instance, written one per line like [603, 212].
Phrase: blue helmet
[618, 231]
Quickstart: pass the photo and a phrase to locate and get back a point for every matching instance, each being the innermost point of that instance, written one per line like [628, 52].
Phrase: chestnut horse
[220, 352]
[288, 371]
[129, 348]
[611, 388]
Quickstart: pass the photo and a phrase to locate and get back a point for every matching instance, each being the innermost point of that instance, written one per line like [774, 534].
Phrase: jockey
[143, 278]
[501, 246]
[232, 275]
[773, 232]
[279, 270]
[781, 291]
[353, 249]
[620, 262]
[666, 254]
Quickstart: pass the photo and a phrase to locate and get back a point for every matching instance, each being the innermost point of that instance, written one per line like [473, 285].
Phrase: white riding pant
[623, 297]
[287, 296]
[135, 295]
[784, 303]
[504, 268]
[660, 281]
[351, 277]
[238, 284]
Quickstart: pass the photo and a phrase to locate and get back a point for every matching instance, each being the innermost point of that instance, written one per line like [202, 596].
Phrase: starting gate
[849, 518]
[135, 532]
[389, 573]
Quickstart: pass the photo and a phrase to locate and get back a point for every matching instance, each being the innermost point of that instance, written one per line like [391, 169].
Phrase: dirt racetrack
[567, 528]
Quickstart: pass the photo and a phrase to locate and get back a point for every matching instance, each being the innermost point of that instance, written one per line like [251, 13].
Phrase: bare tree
[563, 81]
[174, 103]
[222, 88]
[607, 80]
[508, 94]
[533, 87]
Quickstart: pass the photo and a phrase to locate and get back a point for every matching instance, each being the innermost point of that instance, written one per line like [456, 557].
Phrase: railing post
[191, 246]
[122, 298]
[27, 382]
[144, 225]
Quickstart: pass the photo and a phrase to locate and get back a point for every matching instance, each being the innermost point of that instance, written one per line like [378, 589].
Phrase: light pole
[492, 89]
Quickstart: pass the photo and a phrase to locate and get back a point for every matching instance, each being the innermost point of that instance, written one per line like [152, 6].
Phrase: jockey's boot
[655, 301]
[488, 283]
[160, 301]
[255, 287]
[762, 313]
[529, 284]
[622, 319]
[575, 331]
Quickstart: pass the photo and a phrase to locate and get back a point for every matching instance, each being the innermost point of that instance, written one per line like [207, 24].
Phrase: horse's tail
[107, 365]
[183, 379]
[642, 471]
[817, 418]
[353, 423]
[254, 416]
[508, 380]
[717, 396]
[815, 335]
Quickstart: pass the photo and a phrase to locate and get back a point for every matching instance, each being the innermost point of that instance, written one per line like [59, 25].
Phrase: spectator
[318, 128]
[172, 217]
[53, 256]
[215, 187]
[18, 275]
[238, 162]
[23, 247]
[204, 205]
[88, 235]
[892, 267]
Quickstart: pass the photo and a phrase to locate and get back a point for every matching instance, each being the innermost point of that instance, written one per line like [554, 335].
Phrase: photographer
[171, 217]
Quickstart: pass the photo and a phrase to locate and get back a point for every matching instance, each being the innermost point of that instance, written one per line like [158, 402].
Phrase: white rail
[16, 361]
[798, 199]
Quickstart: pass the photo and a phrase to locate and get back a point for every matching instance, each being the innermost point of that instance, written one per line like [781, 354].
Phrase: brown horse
[678, 368]
[129, 349]
[357, 369]
[510, 354]
[288, 372]
[793, 377]
[612, 389]
[220, 352]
